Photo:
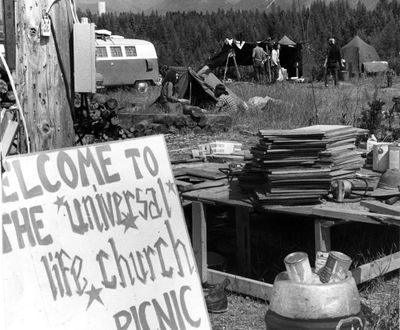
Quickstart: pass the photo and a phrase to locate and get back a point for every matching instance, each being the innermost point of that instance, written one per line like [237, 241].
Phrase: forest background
[191, 38]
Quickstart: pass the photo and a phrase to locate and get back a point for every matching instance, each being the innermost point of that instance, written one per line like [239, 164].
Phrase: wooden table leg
[199, 239]
[243, 254]
[322, 230]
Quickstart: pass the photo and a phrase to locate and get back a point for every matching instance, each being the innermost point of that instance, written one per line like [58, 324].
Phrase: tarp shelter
[243, 53]
[193, 87]
[357, 52]
[290, 56]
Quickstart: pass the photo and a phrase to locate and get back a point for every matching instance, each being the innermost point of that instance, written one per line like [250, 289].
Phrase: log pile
[100, 120]
[191, 121]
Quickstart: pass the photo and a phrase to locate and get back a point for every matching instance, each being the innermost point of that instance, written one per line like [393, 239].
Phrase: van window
[101, 51]
[116, 51]
[130, 51]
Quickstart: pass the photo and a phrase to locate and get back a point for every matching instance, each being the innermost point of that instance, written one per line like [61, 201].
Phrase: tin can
[298, 267]
[336, 267]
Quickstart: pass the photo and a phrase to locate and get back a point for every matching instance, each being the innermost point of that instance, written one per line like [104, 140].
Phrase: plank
[376, 268]
[199, 239]
[9, 32]
[243, 254]
[241, 284]
[357, 216]
[8, 137]
[379, 207]
[203, 185]
[206, 174]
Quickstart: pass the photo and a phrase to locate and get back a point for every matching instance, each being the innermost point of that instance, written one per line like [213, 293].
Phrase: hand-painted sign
[95, 238]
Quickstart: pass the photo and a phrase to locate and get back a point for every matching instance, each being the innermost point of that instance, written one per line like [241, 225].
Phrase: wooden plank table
[324, 216]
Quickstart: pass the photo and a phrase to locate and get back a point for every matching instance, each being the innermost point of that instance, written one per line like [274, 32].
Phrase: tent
[194, 88]
[357, 52]
[290, 56]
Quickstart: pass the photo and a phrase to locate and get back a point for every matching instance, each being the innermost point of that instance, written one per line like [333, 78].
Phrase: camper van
[123, 61]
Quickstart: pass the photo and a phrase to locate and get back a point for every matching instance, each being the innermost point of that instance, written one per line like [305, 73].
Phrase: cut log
[202, 121]
[165, 119]
[197, 130]
[158, 128]
[180, 121]
[143, 125]
[191, 123]
[148, 132]
[193, 111]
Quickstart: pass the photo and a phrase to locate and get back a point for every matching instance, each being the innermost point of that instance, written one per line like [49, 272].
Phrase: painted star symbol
[129, 221]
[171, 186]
[94, 294]
[59, 202]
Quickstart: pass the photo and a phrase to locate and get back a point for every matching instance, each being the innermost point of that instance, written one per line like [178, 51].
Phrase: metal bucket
[314, 306]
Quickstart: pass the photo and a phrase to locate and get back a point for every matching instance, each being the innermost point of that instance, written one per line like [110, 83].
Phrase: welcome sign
[94, 238]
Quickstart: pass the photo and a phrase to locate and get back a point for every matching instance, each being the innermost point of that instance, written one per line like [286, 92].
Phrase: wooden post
[243, 255]
[322, 234]
[199, 239]
[9, 32]
[237, 68]
[44, 72]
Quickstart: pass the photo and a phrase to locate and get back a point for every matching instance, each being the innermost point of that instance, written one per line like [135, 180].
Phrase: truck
[121, 61]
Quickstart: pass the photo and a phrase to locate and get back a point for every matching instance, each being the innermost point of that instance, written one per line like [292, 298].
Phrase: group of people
[262, 60]
[266, 61]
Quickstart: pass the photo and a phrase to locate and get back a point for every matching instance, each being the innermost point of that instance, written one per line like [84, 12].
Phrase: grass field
[296, 105]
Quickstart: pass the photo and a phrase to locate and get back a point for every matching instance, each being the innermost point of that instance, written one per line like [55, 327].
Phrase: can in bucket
[336, 267]
[298, 267]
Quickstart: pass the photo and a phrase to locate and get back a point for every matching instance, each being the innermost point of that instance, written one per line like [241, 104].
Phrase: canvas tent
[193, 87]
[357, 52]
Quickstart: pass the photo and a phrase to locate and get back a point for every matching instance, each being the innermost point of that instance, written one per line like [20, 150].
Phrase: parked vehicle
[122, 61]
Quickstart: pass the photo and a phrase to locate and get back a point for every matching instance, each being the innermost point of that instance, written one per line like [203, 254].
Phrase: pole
[43, 72]
[226, 67]
[236, 66]
[9, 32]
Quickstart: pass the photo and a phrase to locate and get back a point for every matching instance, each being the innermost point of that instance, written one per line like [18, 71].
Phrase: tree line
[191, 38]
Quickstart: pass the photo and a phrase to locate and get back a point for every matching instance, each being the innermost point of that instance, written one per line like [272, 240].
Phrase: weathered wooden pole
[44, 73]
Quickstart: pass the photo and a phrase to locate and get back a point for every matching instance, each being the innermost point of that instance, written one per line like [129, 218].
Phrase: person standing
[275, 64]
[259, 57]
[332, 62]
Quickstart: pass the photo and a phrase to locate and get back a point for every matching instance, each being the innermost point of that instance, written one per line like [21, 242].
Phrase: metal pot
[314, 301]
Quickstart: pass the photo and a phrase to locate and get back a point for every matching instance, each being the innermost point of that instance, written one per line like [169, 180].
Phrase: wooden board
[205, 173]
[8, 137]
[242, 285]
[357, 216]
[379, 207]
[376, 268]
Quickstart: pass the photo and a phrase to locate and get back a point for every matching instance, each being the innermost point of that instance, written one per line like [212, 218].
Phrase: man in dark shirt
[332, 61]
[259, 57]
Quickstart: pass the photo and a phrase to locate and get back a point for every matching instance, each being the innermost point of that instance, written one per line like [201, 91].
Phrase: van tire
[142, 86]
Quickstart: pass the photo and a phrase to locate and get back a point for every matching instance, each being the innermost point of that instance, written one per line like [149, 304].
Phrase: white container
[298, 267]
[380, 154]
[394, 156]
